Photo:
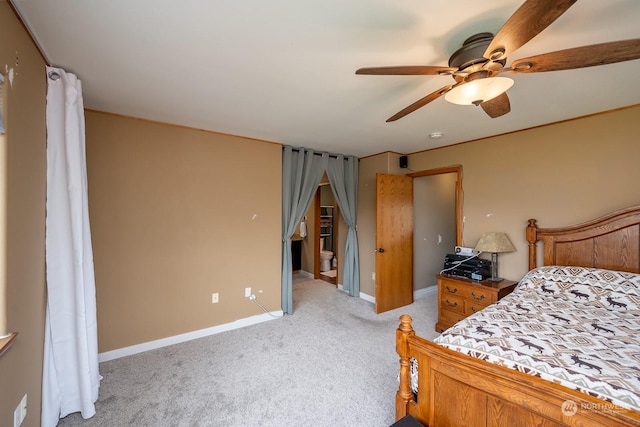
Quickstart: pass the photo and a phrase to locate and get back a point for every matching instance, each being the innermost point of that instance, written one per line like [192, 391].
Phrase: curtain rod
[320, 153]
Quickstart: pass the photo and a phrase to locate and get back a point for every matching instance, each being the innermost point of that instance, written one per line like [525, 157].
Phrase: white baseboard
[419, 294]
[240, 323]
[425, 292]
[368, 297]
[177, 339]
[305, 273]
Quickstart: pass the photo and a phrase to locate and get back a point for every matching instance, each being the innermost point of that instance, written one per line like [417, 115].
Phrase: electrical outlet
[23, 405]
[215, 298]
[247, 292]
[373, 276]
[20, 413]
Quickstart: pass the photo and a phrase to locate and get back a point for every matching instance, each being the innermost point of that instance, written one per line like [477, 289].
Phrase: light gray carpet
[331, 363]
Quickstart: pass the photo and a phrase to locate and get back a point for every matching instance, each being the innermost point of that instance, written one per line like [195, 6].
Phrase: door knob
[381, 250]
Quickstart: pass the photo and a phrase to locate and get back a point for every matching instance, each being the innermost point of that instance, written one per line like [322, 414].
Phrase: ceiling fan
[476, 65]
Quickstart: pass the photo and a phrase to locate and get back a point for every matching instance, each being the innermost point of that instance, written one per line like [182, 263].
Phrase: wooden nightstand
[459, 298]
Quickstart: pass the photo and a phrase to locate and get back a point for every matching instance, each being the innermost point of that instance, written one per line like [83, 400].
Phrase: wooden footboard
[458, 390]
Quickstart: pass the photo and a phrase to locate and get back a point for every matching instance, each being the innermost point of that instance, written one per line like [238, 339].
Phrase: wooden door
[394, 242]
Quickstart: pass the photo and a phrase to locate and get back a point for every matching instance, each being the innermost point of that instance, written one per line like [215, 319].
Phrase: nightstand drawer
[453, 303]
[481, 296]
[468, 291]
[451, 288]
[471, 308]
[459, 298]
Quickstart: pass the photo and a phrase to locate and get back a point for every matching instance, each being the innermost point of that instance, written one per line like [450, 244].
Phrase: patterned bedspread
[579, 327]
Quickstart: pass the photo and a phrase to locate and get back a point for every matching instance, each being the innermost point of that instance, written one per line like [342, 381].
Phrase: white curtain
[71, 379]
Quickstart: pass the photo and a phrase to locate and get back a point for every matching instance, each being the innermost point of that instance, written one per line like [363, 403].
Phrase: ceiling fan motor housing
[471, 53]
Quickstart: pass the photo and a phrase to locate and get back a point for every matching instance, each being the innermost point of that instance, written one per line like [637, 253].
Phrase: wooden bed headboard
[611, 242]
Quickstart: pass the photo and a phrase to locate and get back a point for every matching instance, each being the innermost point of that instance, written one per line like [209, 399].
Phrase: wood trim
[6, 342]
[514, 132]
[457, 169]
[316, 237]
[179, 126]
[437, 171]
[316, 241]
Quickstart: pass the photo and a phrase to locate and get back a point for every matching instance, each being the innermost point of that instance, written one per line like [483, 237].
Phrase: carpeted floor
[331, 363]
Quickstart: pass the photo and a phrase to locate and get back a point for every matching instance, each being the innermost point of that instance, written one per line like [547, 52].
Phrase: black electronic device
[404, 162]
[468, 267]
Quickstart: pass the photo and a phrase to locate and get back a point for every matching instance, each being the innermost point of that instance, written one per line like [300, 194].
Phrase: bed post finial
[532, 238]
[405, 323]
[404, 395]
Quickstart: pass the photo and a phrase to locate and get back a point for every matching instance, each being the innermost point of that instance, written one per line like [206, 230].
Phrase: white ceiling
[284, 70]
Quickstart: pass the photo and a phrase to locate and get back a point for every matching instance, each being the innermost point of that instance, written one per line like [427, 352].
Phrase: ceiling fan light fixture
[478, 91]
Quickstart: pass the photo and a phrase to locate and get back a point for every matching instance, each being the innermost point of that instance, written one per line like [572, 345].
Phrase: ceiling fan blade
[421, 103]
[580, 57]
[529, 20]
[409, 70]
[498, 106]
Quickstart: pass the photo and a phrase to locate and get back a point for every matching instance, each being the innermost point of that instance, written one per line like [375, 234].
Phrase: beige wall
[21, 366]
[176, 215]
[559, 174]
[172, 212]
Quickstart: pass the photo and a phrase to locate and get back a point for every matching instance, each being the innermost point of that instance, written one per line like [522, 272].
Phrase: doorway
[434, 227]
[441, 219]
[326, 235]
[386, 289]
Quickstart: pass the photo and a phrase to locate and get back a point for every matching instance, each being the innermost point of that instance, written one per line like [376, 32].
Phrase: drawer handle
[455, 304]
[453, 291]
[480, 298]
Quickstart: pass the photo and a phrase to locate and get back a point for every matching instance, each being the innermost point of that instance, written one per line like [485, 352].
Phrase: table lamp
[495, 243]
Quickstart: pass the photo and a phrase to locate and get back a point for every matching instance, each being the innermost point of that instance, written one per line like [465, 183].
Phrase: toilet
[325, 260]
[325, 257]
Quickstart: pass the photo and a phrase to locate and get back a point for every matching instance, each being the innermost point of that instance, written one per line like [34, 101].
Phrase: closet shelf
[326, 226]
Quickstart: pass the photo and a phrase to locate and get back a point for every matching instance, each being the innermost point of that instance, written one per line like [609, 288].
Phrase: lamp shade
[477, 91]
[494, 242]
